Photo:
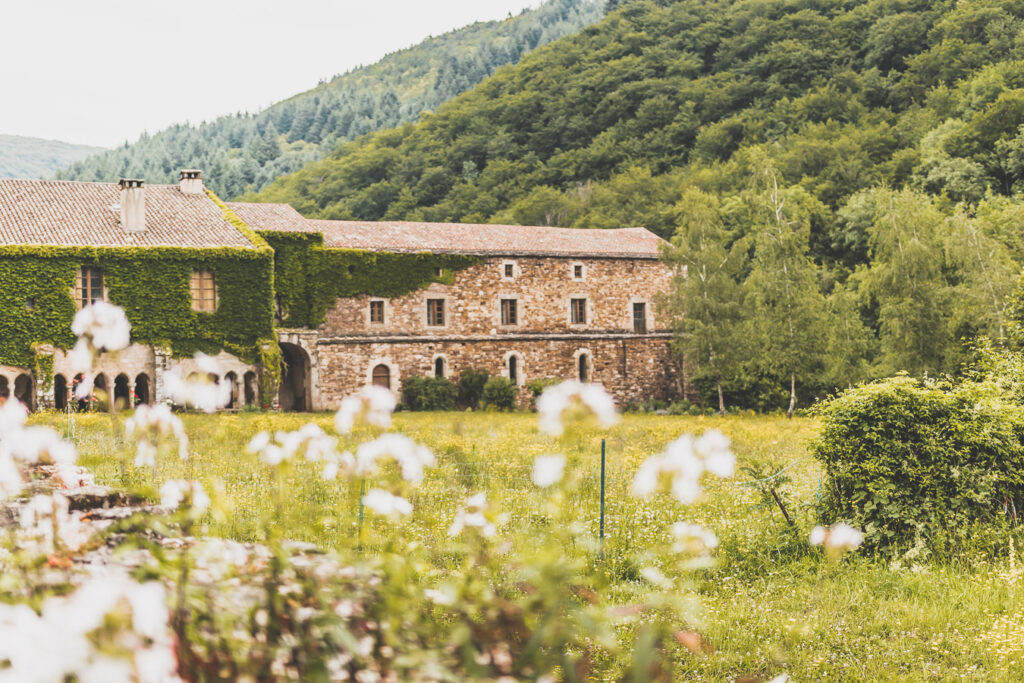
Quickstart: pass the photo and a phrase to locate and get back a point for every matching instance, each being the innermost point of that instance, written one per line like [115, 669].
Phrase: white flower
[83, 388]
[547, 470]
[80, 357]
[309, 440]
[556, 400]
[39, 444]
[11, 481]
[374, 404]
[411, 456]
[201, 390]
[13, 415]
[386, 504]
[148, 426]
[104, 326]
[45, 520]
[174, 492]
[693, 539]
[837, 539]
[714, 449]
[472, 515]
[684, 461]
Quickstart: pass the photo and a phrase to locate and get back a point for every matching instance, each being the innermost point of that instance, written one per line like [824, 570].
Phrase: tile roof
[458, 238]
[68, 213]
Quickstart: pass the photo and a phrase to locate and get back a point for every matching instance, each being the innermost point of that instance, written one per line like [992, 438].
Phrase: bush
[428, 393]
[471, 387]
[914, 462]
[500, 393]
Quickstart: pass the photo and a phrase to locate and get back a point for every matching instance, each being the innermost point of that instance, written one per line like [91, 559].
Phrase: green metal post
[602, 491]
[362, 491]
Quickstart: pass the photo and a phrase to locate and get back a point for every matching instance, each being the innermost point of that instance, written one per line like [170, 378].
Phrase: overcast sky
[100, 72]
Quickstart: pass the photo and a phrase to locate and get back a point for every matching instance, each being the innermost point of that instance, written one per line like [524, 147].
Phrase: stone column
[161, 366]
[42, 383]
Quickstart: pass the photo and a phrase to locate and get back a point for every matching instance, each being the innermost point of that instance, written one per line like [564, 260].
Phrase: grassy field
[770, 604]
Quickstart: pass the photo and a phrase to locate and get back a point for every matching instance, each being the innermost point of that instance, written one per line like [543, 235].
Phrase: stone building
[348, 303]
[534, 302]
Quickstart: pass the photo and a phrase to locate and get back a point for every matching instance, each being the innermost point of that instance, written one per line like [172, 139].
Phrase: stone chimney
[133, 205]
[191, 181]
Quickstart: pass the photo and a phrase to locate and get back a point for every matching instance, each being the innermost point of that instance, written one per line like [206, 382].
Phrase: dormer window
[204, 291]
[88, 286]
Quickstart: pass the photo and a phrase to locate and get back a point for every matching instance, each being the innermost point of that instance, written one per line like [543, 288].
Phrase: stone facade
[630, 358]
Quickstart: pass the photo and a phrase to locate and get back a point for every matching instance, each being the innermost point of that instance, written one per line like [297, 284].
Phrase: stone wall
[630, 367]
[542, 288]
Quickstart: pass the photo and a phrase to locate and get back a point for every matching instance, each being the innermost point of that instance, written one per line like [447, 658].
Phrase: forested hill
[843, 175]
[244, 152]
[22, 157]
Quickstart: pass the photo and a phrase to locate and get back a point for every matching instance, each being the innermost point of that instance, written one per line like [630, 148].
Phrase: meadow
[771, 603]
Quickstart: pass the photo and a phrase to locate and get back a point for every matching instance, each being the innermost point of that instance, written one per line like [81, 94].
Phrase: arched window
[24, 391]
[60, 392]
[101, 393]
[5, 387]
[122, 392]
[232, 379]
[142, 389]
[584, 374]
[251, 390]
[513, 369]
[382, 376]
[439, 367]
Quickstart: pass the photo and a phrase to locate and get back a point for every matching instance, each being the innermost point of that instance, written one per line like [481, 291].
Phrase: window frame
[642, 327]
[508, 270]
[581, 303]
[379, 305]
[508, 310]
[85, 294]
[436, 312]
[581, 267]
[204, 282]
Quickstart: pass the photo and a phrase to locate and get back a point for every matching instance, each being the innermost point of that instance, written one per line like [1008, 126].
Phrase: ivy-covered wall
[151, 284]
[310, 278]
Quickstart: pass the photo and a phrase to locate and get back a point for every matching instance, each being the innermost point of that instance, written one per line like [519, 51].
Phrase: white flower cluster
[148, 426]
[556, 401]
[410, 456]
[174, 492]
[548, 469]
[310, 441]
[473, 515]
[60, 641]
[693, 539]
[373, 404]
[46, 525]
[21, 446]
[201, 390]
[386, 504]
[837, 539]
[684, 461]
[99, 327]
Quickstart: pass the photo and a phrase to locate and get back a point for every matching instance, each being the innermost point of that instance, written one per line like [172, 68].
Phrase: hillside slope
[244, 152]
[842, 96]
[22, 157]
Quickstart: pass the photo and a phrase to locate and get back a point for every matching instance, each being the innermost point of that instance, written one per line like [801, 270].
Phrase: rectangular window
[376, 312]
[509, 314]
[578, 308]
[510, 270]
[204, 291]
[577, 271]
[640, 318]
[88, 286]
[435, 312]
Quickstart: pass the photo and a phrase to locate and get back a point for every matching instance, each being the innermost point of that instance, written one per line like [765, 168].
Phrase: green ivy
[311, 278]
[42, 368]
[152, 285]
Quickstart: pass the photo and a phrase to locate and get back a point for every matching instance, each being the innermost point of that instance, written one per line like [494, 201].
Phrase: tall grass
[769, 603]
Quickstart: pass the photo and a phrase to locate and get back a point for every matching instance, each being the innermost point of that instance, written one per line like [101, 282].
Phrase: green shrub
[500, 393]
[428, 393]
[471, 387]
[913, 462]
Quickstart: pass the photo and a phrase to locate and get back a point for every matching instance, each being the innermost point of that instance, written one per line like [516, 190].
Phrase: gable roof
[75, 214]
[481, 239]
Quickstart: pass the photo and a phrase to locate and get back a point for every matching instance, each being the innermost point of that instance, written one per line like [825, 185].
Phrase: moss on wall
[310, 278]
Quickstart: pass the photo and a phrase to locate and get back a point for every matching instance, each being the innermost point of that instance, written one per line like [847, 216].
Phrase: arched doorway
[122, 392]
[60, 392]
[23, 391]
[251, 388]
[381, 376]
[100, 393]
[142, 389]
[82, 404]
[5, 389]
[232, 379]
[294, 394]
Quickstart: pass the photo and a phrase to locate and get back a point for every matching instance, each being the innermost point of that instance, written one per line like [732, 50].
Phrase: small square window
[640, 318]
[577, 271]
[510, 270]
[438, 272]
[377, 312]
[204, 291]
[578, 311]
[435, 312]
[509, 314]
